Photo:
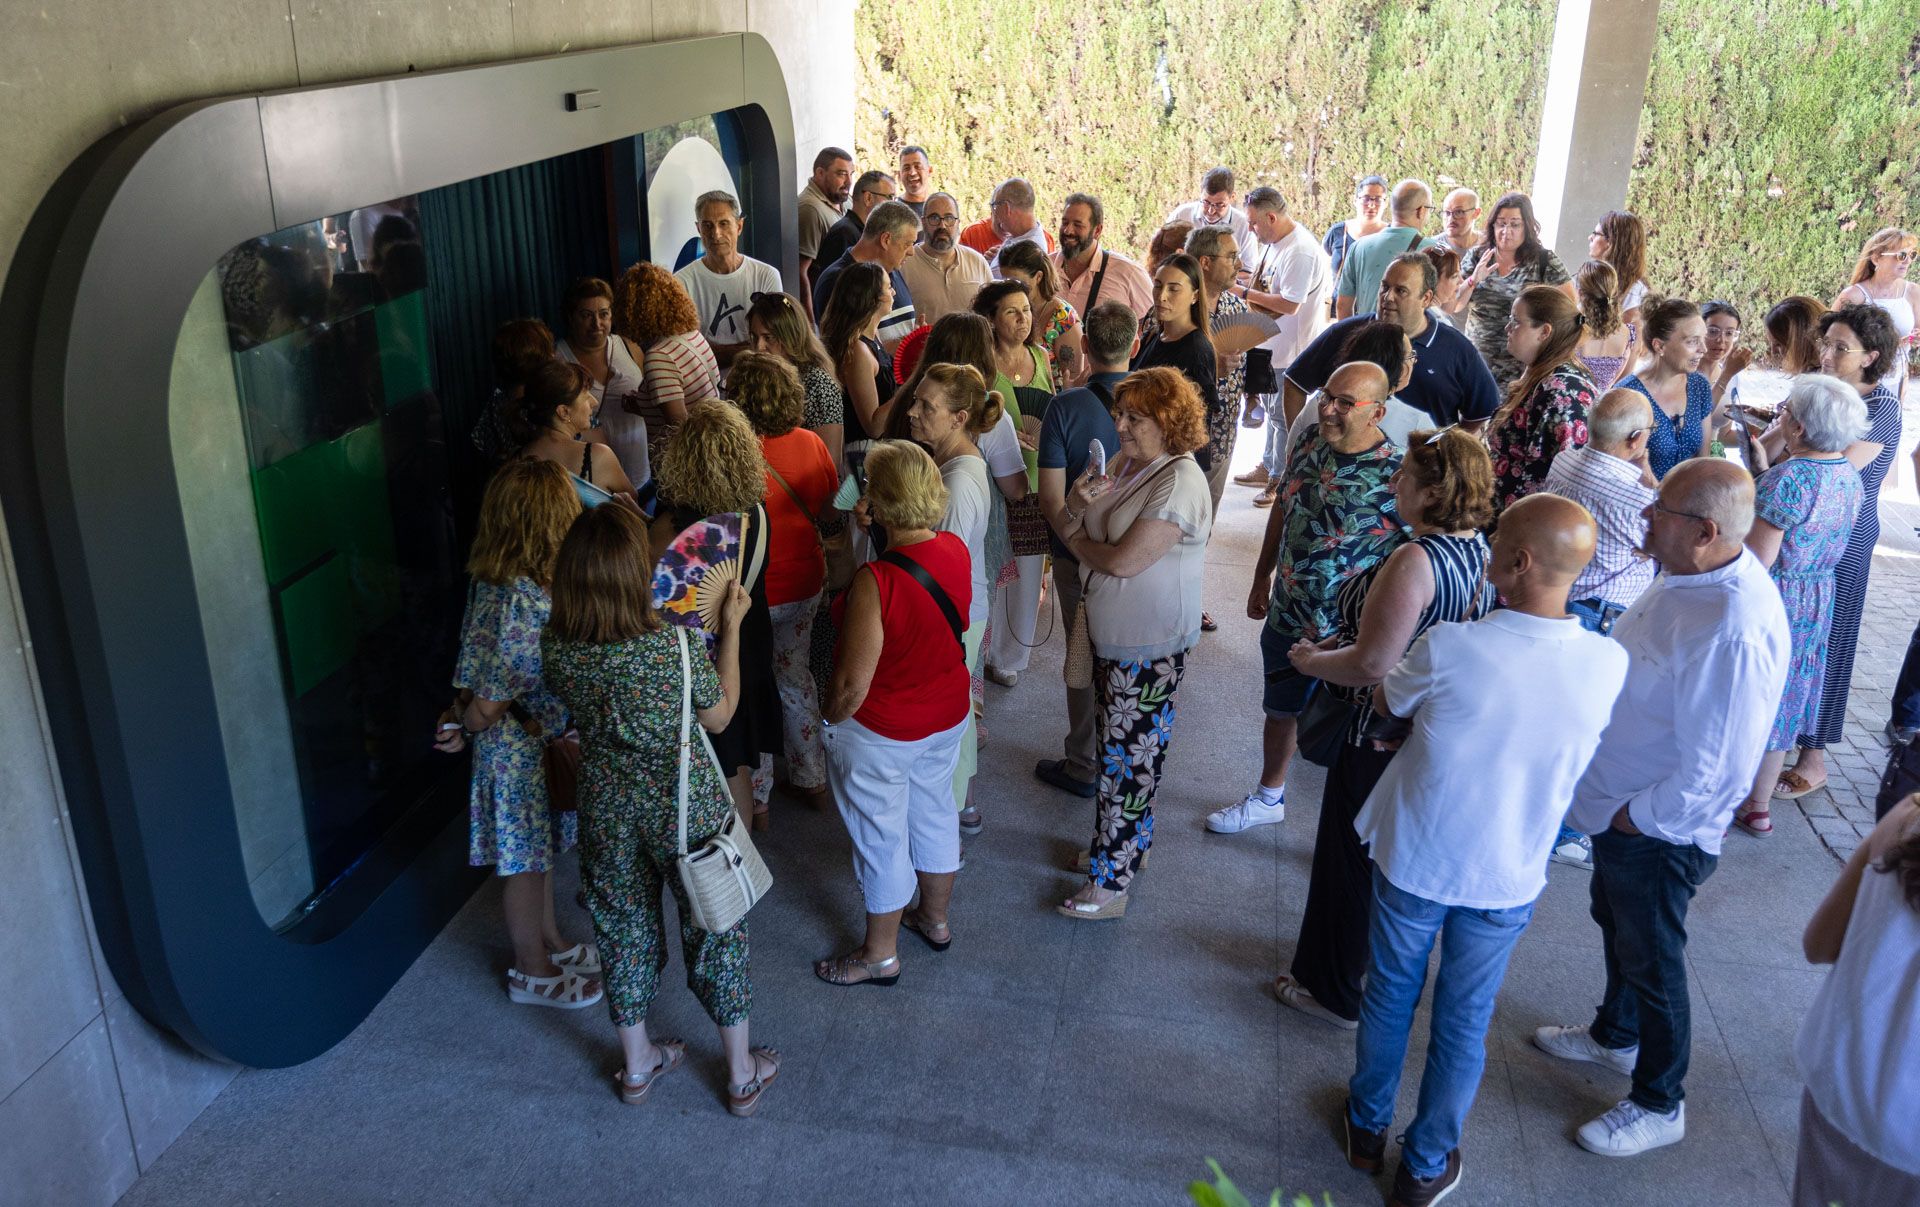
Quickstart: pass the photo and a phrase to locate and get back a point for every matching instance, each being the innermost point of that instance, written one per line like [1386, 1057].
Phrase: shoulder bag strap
[1415, 242]
[1101, 392]
[1093, 290]
[804, 509]
[586, 464]
[893, 557]
[688, 725]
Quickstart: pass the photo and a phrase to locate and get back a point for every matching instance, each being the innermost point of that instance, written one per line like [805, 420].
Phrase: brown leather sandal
[743, 1100]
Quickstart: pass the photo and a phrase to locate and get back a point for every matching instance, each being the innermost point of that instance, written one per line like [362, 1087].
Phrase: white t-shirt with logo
[1297, 268]
[722, 299]
[1194, 214]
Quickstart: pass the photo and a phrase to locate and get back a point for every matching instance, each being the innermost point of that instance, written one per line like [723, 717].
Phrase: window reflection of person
[556, 408]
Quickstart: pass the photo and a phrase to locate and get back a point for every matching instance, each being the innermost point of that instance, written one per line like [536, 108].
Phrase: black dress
[1192, 355]
[755, 727]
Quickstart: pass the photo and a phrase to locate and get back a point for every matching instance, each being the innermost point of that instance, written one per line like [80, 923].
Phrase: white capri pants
[897, 801]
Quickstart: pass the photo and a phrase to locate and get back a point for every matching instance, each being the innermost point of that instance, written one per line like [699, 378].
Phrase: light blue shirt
[1367, 260]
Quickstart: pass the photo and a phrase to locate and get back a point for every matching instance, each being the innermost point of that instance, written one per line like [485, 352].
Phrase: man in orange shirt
[1010, 221]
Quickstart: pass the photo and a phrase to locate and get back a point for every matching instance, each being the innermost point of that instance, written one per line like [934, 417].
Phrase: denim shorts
[1287, 690]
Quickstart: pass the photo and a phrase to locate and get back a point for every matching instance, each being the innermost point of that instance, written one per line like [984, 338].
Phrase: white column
[1591, 121]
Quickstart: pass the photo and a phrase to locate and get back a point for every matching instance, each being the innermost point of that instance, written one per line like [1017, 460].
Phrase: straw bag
[725, 876]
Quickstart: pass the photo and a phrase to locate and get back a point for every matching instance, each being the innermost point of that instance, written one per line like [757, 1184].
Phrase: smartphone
[1097, 458]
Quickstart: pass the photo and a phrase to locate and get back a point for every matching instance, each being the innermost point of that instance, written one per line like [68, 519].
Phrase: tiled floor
[1042, 1061]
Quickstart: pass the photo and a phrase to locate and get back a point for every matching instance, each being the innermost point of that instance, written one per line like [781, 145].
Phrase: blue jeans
[1274, 458]
[1474, 947]
[1641, 889]
[1595, 615]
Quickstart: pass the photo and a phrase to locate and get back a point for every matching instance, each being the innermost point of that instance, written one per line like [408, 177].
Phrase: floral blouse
[1337, 519]
[1549, 420]
[826, 402]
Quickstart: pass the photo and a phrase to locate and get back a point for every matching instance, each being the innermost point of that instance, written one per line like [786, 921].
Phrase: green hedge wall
[1777, 134]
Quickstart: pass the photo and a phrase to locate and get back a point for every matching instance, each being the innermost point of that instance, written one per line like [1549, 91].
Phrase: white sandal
[567, 991]
[583, 958]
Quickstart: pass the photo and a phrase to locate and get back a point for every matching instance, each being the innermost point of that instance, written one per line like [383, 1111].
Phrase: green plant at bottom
[1223, 1193]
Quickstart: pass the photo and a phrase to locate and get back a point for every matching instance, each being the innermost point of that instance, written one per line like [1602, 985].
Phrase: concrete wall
[90, 1094]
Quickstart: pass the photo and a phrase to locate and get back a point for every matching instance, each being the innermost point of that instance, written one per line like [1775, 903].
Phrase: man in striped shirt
[1609, 476]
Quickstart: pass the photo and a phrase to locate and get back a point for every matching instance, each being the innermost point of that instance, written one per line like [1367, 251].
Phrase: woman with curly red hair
[653, 309]
[1140, 535]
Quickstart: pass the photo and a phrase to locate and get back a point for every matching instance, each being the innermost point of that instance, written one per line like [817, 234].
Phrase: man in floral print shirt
[1333, 519]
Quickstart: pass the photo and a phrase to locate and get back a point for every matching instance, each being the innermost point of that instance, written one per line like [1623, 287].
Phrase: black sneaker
[1409, 1191]
[1365, 1150]
[1054, 772]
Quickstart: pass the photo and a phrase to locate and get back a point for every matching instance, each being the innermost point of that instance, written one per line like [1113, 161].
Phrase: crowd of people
[1534, 586]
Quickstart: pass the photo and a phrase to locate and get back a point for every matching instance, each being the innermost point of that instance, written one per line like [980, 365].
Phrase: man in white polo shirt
[1505, 711]
[722, 282]
[1709, 644]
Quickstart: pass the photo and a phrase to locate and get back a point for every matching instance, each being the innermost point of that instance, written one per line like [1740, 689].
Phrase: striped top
[1460, 592]
[680, 369]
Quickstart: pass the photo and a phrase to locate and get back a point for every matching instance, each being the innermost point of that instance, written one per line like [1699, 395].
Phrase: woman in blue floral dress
[1804, 511]
[506, 712]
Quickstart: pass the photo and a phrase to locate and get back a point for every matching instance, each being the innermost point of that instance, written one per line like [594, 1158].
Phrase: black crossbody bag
[893, 557]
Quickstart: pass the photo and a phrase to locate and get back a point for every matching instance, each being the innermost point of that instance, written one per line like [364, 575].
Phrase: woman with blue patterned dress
[1855, 341]
[1804, 513]
[1444, 490]
[1685, 416]
[506, 712]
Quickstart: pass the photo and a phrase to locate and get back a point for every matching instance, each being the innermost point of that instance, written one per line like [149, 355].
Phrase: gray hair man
[1610, 477]
[1367, 259]
[886, 240]
[1290, 280]
[1009, 220]
[722, 281]
[870, 190]
[942, 274]
[1708, 648]
[916, 177]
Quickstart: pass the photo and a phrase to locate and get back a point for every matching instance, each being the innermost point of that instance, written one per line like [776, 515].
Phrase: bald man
[1709, 646]
[1334, 518]
[1505, 713]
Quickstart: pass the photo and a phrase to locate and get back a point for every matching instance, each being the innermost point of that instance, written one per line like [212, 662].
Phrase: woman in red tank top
[896, 710]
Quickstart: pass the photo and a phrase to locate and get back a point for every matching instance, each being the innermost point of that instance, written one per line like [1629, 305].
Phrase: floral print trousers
[1136, 723]
[628, 848]
[799, 698]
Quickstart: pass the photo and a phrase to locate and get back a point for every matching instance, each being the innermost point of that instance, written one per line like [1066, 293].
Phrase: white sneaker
[1251, 812]
[1574, 1043]
[1631, 1129]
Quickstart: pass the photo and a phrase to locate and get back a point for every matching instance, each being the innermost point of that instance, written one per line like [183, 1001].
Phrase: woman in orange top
[801, 481]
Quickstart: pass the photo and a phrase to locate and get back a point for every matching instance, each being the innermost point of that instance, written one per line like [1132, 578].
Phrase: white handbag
[726, 875]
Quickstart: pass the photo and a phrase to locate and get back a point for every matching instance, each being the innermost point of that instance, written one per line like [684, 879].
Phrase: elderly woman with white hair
[1804, 509]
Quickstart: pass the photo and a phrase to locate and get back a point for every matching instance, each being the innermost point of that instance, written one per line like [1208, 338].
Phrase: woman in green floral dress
[616, 666]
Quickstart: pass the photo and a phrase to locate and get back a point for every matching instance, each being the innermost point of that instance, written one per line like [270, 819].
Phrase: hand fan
[691, 578]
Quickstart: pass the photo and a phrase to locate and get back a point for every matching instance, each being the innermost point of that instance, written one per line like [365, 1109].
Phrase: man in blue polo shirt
[1074, 420]
[1450, 380]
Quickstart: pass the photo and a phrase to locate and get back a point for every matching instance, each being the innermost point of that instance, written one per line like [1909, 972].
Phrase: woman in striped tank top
[1443, 490]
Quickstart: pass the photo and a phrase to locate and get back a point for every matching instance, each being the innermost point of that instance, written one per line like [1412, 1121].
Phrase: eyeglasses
[1340, 402]
[941, 220]
[1904, 257]
[1509, 226]
[1458, 213]
[1514, 324]
[1834, 346]
[1661, 507]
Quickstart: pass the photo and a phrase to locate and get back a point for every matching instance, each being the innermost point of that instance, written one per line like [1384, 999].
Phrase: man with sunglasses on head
[1334, 518]
[1215, 207]
[1707, 647]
